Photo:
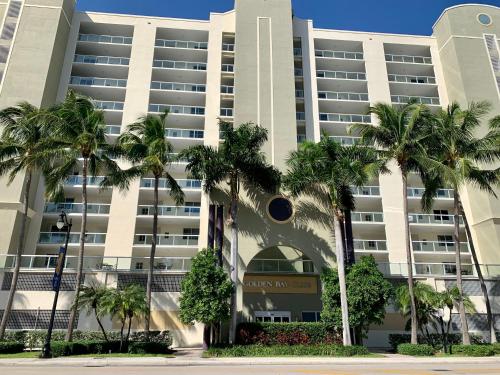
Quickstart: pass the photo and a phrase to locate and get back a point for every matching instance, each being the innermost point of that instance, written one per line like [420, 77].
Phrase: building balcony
[408, 59]
[433, 219]
[101, 60]
[58, 238]
[370, 245]
[98, 82]
[330, 74]
[431, 269]
[343, 96]
[299, 94]
[78, 181]
[292, 266]
[301, 138]
[108, 105]
[113, 130]
[438, 247]
[403, 99]
[177, 109]
[227, 112]
[184, 134]
[345, 141]
[441, 193]
[297, 52]
[181, 44]
[228, 47]
[344, 55]
[172, 240]
[228, 68]
[179, 65]
[299, 72]
[368, 217]
[366, 191]
[399, 78]
[76, 208]
[227, 90]
[345, 118]
[174, 86]
[106, 39]
[169, 211]
[300, 116]
[148, 183]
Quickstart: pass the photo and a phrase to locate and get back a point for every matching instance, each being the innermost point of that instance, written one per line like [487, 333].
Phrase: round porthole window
[280, 209]
[484, 19]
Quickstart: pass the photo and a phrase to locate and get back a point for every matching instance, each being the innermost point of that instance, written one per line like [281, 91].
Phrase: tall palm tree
[24, 151]
[239, 161]
[79, 135]
[145, 146]
[401, 136]
[332, 170]
[458, 155]
[91, 298]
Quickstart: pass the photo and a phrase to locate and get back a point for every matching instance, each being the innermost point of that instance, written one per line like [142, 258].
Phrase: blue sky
[392, 16]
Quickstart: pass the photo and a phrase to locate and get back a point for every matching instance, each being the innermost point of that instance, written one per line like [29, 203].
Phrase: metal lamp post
[56, 281]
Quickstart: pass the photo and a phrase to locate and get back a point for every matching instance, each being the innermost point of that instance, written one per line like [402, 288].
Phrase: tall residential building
[257, 63]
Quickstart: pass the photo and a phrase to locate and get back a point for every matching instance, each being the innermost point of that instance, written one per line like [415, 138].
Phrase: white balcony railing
[184, 133]
[345, 141]
[366, 191]
[341, 75]
[169, 211]
[412, 79]
[300, 116]
[299, 72]
[99, 82]
[297, 51]
[228, 68]
[227, 112]
[101, 60]
[370, 245]
[108, 39]
[113, 129]
[367, 217]
[299, 93]
[438, 247]
[78, 181]
[177, 109]
[339, 54]
[281, 266]
[342, 117]
[441, 193]
[408, 59]
[301, 138]
[171, 240]
[348, 96]
[434, 269]
[179, 65]
[228, 90]
[441, 219]
[228, 47]
[108, 106]
[76, 208]
[148, 183]
[182, 44]
[174, 86]
[402, 99]
[58, 238]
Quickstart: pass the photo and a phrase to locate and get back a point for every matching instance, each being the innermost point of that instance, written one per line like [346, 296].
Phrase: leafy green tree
[125, 305]
[145, 146]
[368, 294]
[205, 293]
[79, 135]
[91, 298]
[401, 136]
[327, 171]
[239, 160]
[458, 155]
[24, 152]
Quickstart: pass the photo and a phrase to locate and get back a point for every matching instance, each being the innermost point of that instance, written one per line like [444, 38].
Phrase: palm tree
[24, 151]
[91, 298]
[79, 134]
[239, 161]
[401, 136]
[332, 170]
[144, 145]
[457, 155]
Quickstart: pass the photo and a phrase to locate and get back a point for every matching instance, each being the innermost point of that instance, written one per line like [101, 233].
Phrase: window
[441, 215]
[191, 233]
[273, 316]
[484, 19]
[311, 316]
[280, 210]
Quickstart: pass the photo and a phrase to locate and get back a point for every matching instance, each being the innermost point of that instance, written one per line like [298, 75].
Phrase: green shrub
[63, 348]
[287, 334]
[162, 337]
[287, 350]
[496, 348]
[473, 350]
[435, 340]
[149, 348]
[415, 350]
[36, 339]
[10, 347]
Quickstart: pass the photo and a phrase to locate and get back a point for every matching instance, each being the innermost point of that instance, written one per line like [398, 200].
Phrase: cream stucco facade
[256, 63]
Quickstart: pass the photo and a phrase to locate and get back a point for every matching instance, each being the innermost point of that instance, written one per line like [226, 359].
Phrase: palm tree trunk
[79, 273]
[121, 335]
[20, 251]
[234, 260]
[458, 262]
[129, 328]
[149, 285]
[409, 259]
[339, 250]
[207, 332]
[349, 239]
[100, 325]
[489, 313]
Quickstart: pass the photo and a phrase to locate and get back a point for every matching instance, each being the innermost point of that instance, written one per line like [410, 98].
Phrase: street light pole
[56, 282]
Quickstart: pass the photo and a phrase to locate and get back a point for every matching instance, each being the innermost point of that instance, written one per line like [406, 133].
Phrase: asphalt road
[385, 369]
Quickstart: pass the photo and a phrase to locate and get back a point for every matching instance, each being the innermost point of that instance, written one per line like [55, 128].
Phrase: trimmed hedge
[63, 348]
[496, 348]
[9, 347]
[473, 350]
[287, 350]
[149, 348]
[453, 338]
[419, 350]
[287, 334]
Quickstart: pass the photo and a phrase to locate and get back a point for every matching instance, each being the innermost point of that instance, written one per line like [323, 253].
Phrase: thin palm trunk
[349, 239]
[129, 328]
[479, 271]
[100, 325]
[234, 259]
[83, 232]
[20, 251]
[152, 255]
[339, 249]
[121, 334]
[409, 259]
[458, 262]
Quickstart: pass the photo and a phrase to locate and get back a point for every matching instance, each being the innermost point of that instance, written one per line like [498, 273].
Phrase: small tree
[91, 298]
[205, 293]
[368, 293]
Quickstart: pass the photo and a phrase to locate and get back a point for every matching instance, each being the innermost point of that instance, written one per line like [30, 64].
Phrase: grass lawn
[113, 355]
[20, 355]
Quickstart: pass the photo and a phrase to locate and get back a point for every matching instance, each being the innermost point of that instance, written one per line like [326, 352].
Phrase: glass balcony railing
[104, 60]
[348, 96]
[341, 75]
[167, 240]
[301, 116]
[169, 211]
[432, 269]
[109, 39]
[113, 129]
[184, 133]
[228, 90]
[177, 109]
[183, 44]
[228, 68]
[228, 47]
[441, 219]
[402, 99]
[367, 217]
[339, 54]
[49, 238]
[299, 93]
[301, 138]
[342, 117]
[441, 193]
[148, 183]
[76, 208]
[173, 86]
[227, 112]
[366, 191]
[370, 245]
[408, 59]
[281, 266]
[346, 141]
[412, 79]
[101, 82]
[438, 247]
[297, 51]
[299, 72]
[108, 106]
[78, 181]
[180, 65]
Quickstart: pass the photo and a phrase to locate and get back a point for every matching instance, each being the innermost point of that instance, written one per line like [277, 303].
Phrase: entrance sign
[280, 284]
[56, 280]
